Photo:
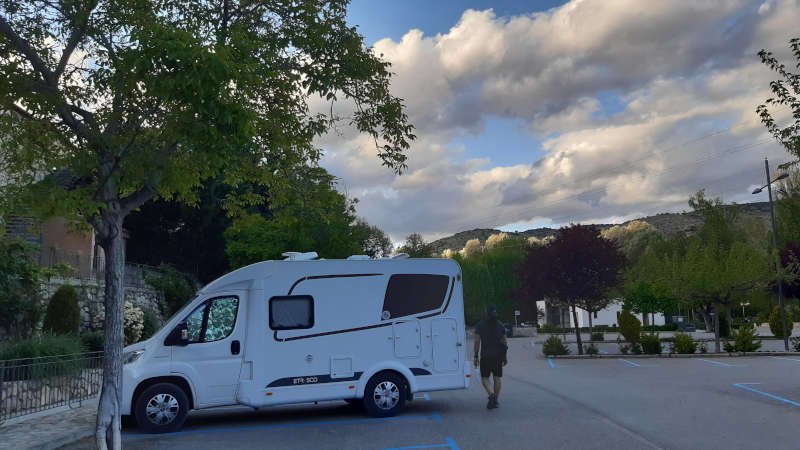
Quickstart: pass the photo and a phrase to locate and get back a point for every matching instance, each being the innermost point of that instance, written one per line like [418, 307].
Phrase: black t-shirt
[491, 332]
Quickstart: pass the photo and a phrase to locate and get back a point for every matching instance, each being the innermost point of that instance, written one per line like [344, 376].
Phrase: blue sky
[589, 111]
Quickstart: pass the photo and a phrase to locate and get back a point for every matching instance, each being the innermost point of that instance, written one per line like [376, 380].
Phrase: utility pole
[777, 256]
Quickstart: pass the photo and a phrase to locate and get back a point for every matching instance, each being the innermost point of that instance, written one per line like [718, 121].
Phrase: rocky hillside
[667, 223]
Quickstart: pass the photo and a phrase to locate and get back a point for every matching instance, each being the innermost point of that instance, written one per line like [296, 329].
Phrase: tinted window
[221, 318]
[413, 294]
[291, 312]
[213, 320]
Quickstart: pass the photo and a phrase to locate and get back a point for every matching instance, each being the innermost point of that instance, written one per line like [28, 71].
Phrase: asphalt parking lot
[709, 403]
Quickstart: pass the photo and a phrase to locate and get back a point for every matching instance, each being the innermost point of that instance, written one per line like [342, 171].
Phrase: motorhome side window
[408, 294]
[213, 320]
[292, 312]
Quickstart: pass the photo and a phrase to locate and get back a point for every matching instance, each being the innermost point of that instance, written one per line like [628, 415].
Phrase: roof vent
[298, 256]
[400, 256]
[358, 257]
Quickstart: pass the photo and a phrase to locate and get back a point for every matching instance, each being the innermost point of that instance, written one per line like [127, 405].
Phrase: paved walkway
[49, 430]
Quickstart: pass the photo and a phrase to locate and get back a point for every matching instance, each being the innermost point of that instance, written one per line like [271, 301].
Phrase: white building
[561, 316]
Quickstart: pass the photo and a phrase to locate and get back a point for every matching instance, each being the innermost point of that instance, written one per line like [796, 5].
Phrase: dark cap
[491, 311]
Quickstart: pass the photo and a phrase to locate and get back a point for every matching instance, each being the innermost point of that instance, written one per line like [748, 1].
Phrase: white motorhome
[368, 331]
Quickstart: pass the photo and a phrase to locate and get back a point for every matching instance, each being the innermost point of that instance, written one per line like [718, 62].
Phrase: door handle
[236, 347]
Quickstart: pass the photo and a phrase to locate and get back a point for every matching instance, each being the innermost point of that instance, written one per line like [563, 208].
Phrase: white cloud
[684, 71]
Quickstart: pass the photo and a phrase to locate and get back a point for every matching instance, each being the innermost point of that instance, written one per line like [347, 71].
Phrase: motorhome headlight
[129, 357]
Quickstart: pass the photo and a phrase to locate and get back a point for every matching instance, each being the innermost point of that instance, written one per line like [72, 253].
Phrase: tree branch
[22, 46]
[137, 199]
[74, 39]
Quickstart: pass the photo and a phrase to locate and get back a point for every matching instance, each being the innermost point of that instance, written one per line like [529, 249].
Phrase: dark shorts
[491, 366]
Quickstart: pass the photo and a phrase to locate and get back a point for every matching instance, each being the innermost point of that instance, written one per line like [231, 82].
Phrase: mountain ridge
[666, 223]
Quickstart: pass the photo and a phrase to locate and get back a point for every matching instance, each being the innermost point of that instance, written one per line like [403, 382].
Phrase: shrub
[629, 326]
[775, 325]
[745, 339]
[795, 343]
[55, 347]
[133, 323]
[554, 346]
[177, 287]
[63, 315]
[684, 344]
[651, 344]
[592, 350]
[598, 336]
[20, 281]
[93, 340]
[547, 328]
[150, 324]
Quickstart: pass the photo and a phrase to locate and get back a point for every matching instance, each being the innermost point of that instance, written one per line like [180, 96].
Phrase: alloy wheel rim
[386, 395]
[162, 409]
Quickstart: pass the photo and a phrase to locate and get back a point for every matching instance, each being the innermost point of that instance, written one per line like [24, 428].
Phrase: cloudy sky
[545, 113]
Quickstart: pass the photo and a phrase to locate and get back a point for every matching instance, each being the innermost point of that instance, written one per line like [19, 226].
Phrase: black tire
[167, 399]
[385, 395]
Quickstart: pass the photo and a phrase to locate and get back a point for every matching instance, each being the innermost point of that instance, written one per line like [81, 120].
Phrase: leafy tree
[20, 296]
[785, 92]
[63, 315]
[167, 232]
[489, 278]
[374, 242]
[309, 216]
[576, 269]
[776, 325]
[718, 265]
[647, 298]
[135, 99]
[629, 327]
[416, 247]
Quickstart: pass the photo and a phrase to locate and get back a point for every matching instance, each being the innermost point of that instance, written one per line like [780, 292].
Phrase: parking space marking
[746, 386]
[630, 363]
[551, 363]
[788, 359]
[449, 443]
[435, 417]
[424, 396]
[717, 363]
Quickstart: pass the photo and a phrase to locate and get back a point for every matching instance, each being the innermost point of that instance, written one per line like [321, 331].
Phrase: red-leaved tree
[576, 269]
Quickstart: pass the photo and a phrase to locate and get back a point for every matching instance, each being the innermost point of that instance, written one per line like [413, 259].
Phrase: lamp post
[775, 245]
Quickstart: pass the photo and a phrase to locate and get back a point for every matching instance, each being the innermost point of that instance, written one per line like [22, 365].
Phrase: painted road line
[551, 363]
[747, 387]
[716, 363]
[630, 363]
[435, 417]
[449, 443]
[788, 359]
[424, 396]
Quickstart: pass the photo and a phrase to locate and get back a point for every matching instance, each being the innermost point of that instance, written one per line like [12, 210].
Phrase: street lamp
[775, 244]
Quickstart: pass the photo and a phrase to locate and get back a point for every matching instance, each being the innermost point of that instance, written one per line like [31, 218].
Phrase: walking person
[491, 345]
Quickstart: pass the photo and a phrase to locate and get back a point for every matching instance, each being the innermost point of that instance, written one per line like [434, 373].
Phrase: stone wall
[90, 298]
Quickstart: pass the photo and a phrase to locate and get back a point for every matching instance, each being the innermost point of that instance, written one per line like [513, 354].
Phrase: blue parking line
[716, 363]
[746, 387]
[449, 443]
[550, 362]
[436, 417]
[631, 363]
[425, 396]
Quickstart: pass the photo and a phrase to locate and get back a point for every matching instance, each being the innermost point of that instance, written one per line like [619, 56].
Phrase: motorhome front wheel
[161, 408]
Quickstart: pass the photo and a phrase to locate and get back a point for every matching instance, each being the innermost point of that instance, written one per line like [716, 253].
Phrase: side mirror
[178, 336]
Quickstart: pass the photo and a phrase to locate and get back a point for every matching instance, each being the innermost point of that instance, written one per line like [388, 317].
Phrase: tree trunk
[577, 329]
[706, 319]
[591, 327]
[108, 410]
[716, 331]
[730, 322]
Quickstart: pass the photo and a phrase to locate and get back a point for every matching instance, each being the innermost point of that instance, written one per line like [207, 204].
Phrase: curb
[668, 355]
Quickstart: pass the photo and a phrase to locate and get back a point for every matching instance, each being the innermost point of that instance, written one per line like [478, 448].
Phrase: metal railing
[31, 385]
